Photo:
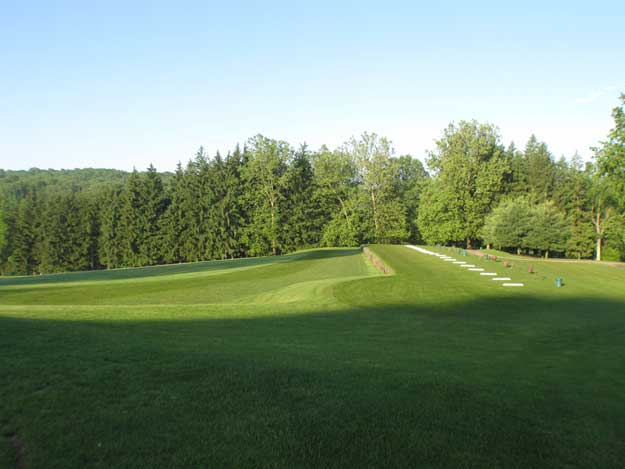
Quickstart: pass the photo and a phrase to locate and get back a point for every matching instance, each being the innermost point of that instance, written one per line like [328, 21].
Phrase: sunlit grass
[316, 360]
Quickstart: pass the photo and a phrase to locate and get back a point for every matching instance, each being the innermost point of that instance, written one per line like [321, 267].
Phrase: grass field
[314, 360]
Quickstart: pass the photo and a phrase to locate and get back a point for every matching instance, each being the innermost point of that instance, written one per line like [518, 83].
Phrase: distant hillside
[15, 183]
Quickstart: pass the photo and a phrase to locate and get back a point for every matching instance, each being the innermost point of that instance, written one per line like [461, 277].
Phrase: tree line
[269, 198]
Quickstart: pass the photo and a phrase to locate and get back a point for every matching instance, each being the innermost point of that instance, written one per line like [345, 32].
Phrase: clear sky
[123, 84]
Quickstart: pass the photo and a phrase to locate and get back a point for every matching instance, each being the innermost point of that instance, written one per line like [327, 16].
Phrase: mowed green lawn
[314, 360]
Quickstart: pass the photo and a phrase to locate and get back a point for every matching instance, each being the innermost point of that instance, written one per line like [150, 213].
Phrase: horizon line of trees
[269, 198]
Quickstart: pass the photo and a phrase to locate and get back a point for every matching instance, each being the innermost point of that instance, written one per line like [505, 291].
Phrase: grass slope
[315, 360]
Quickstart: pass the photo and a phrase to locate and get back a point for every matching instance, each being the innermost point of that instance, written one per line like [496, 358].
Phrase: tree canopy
[269, 197]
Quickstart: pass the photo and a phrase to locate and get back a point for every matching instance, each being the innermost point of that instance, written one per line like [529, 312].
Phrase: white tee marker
[489, 274]
[512, 284]
[501, 278]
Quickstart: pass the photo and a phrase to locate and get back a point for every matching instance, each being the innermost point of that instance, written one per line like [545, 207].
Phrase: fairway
[315, 359]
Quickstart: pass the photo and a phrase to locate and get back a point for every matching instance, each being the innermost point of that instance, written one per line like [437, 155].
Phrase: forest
[269, 198]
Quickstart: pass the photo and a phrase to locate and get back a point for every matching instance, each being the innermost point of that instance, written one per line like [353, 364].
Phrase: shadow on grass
[516, 382]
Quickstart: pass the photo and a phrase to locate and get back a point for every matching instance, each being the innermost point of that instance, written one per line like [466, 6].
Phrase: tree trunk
[599, 243]
[547, 254]
[273, 223]
[375, 213]
[344, 210]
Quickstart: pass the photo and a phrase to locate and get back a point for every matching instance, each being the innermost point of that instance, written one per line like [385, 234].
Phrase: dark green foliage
[540, 170]
[470, 169]
[412, 177]
[547, 229]
[518, 223]
[109, 247]
[302, 223]
[270, 198]
[611, 154]
[507, 226]
[23, 259]
[130, 237]
[68, 233]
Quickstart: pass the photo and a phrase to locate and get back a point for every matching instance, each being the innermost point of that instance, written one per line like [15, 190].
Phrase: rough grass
[315, 360]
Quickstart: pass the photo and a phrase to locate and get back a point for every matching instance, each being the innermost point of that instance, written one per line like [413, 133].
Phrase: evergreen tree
[110, 251]
[232, 205]
[171, 224]
[66, 234]
[24, 256]
[540, 170]
[152, 206]
[516, 181]
[130, 226]
[301, 229]
[572, 194]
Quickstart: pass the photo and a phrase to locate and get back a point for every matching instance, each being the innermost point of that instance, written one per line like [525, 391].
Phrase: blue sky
[107, 84]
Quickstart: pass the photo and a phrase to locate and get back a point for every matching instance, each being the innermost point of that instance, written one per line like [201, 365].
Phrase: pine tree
[171, 224]
[130, 231]
[24, 257]
[540, 170]
[110, 251]
[153, 204]
[300, 220]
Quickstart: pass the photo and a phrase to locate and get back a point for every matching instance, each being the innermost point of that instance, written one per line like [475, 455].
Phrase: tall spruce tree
[301, 228]
[24, 256]
[110, 244]
[540, 170]
[131, 236]
[172, 223]
[153, 203]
